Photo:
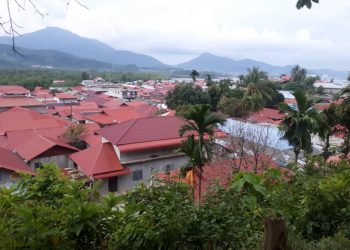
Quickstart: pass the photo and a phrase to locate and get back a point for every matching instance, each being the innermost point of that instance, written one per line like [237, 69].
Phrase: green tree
[300, 123]
[329, 121]
[186, 94]
[255, 76]
[201, 122]
[74, 134]
[298, 74]
[194, 73]
[85, 76]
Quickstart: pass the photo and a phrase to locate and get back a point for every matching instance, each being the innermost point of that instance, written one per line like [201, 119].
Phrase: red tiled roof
[30, 144]
[267, 115]
[65, 96]
[143, 130]
[13, 89]
[8, 102]
[10, 161]
[112, 103]
[17, 118]
[101, 118]
[99, 161]
[221, 172]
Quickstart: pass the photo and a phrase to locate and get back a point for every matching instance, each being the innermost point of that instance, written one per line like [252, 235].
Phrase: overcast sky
[174, 31]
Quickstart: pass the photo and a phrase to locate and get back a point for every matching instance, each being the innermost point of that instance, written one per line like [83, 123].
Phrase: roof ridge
[97, 156]
[127, 129]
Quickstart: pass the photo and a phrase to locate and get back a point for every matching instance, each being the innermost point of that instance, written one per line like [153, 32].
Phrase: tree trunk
[326, 147]
[200, 185]
[275, 235]
[296, 152]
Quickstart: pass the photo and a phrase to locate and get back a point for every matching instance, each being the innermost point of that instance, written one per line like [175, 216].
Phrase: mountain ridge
[54, 38]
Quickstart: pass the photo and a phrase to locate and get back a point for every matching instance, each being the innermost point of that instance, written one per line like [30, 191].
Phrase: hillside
[53, 38]
[56, 59]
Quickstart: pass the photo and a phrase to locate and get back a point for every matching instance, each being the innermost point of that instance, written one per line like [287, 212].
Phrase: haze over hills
[56, 59]
[102, 56]
[53, 38]
[210, 62]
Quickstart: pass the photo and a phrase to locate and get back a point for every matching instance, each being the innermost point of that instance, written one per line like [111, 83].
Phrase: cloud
[176, 30]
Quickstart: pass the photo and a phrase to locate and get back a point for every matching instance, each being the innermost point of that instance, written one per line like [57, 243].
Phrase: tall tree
[255, 75]
[194, 73]
[298, 74]
[201, 122]
[329, 121]
[300, 123]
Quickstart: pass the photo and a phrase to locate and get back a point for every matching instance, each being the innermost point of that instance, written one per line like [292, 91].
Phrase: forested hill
[53, 38]
[56, 59]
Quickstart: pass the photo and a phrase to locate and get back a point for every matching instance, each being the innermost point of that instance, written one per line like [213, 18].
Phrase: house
[10, 166]
[36, 138]
[100, 162]
[122, 93]
[146, 146]
[65, 98]
[36, 148]
[13, 91]
[7, 103]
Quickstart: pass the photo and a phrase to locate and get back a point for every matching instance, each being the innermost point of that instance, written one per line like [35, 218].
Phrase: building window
[38, 165]
[113, 184]
[137, 175]
[169, 168]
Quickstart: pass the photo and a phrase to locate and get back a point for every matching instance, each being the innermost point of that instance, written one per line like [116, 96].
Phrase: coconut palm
[201, 122]
[298, 74]
[194, 73]
[256, 94]
[300, 123]
[329, 121]
[255, 75]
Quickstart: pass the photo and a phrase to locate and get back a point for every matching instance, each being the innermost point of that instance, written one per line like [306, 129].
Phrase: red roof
[101, 118]
[29, 143]
[112, 103]
[99, 161]
[13, 89]
[8, 102]
[221, 172]
[10, 161]
[147, 132]
[16, 119]
[65, 96]
[143, 130]
[267, 115]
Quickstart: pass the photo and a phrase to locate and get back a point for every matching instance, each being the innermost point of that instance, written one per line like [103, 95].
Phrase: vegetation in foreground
[49, 211]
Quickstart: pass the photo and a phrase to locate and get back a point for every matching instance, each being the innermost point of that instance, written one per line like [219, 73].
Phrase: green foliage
[300, 123]
[233, 107]
[49, 211]
[186, 94]
[160, 217]
[30, 78]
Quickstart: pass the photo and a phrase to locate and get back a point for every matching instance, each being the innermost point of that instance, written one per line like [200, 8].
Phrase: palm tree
[300, 123]
[298, 74]
[329, 121]
[256, 94]
[201, 122]
[193, 75]
[255, 75]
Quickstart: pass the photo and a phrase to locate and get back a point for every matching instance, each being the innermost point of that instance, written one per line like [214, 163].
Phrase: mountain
[210, 62]
[52, 58]
[53, 38]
